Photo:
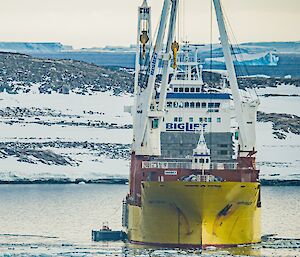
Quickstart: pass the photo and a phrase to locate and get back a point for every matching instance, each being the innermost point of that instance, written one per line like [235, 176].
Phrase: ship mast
[245, 110]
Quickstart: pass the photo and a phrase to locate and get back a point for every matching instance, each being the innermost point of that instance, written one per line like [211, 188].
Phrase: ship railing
[185, 165]
[166, 165]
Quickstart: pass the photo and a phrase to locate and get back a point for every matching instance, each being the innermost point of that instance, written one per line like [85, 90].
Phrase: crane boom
[245, 111]
[147, 121]
[166, 60]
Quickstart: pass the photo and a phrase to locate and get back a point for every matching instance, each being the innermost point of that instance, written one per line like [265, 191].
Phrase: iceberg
[257, 59]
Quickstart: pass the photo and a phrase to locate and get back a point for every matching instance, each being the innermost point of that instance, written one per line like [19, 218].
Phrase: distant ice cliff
[25, 47]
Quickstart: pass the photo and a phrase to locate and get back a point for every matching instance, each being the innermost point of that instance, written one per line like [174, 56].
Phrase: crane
[147, 115]
[246, 109]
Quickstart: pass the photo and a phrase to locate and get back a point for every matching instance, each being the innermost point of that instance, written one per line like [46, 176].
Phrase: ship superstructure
[188, 187]
[191, 106]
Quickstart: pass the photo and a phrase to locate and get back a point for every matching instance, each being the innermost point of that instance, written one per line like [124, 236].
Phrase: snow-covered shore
[72, 124]
[91, 134]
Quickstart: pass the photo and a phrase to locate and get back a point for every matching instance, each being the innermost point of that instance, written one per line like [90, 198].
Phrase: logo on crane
[153, 63]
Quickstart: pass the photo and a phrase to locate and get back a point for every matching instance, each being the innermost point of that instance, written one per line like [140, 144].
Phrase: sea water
[57, 220]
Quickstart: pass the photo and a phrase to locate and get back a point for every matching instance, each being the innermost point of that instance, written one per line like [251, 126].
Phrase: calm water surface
[56, 220]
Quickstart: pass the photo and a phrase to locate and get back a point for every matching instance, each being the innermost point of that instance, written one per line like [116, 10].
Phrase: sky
[97, 23]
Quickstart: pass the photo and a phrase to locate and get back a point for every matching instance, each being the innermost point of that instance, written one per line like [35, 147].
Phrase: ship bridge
[191, 105]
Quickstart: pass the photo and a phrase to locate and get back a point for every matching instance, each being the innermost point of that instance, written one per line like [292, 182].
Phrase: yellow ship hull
[196, 214]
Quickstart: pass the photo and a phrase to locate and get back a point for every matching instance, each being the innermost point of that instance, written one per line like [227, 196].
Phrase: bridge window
[177, 119]
[198, 105]
[203, 105]
[169, 104]
[181, 89]
[186, 90]
[175, 104]
[201, 160]
[192, 105]
[192, 89]
[186, 104]
[180, 104]
[207, 160]
[197, 89]
[196, 160]
[175, 89]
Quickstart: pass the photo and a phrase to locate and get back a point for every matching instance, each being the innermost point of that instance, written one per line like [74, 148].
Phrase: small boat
[107, 234]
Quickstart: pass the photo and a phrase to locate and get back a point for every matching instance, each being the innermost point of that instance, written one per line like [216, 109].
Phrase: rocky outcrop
[17, 115]
[35, 156]
[22, 112]
[20, 73]
[38, 152]
[282, 123]
[259, 82]
[214, 79]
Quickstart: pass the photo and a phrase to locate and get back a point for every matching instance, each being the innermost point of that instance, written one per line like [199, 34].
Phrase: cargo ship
[193, 178]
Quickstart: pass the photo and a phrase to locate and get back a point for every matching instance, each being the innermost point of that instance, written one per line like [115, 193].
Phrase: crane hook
[175, 48]
[144, 38]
